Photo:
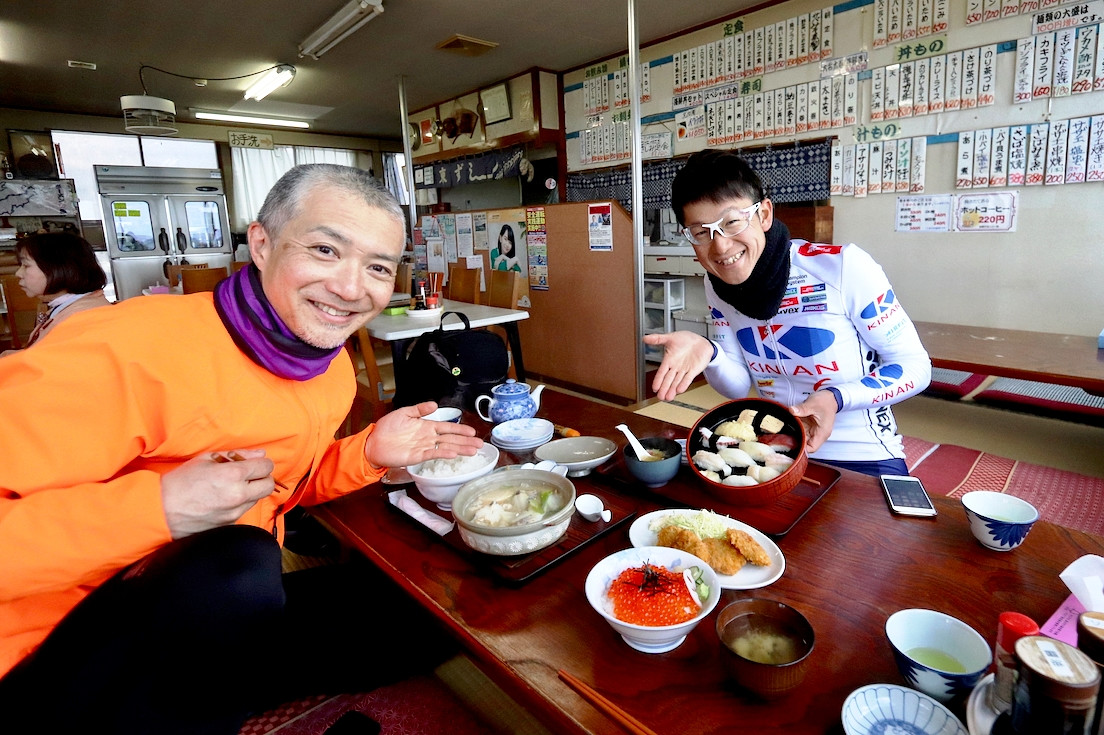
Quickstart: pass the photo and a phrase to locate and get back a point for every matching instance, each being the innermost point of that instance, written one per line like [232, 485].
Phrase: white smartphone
[906, 495]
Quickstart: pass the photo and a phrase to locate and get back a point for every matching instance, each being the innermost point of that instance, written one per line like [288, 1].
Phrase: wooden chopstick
[622, 717]
[235, 457]
[811, 481]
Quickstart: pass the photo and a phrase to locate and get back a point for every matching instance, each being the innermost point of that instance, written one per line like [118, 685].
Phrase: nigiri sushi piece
[779, 442]
[778, 461]
[735, 457]
[771, 424]
[757, 450]
[763, 474]
[704, 460]
[737, 430]
[739, 481]
[715, 441]
[711, 475]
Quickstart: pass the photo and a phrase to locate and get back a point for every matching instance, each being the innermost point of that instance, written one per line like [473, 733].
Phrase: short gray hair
[287, 194]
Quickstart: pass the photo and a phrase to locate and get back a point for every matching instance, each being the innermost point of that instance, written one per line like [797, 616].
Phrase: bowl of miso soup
[514, 511]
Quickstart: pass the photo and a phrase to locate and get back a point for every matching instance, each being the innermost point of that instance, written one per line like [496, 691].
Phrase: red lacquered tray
[522, 568]
[774, 520]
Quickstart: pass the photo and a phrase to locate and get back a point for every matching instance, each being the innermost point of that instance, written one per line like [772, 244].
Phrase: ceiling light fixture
[273, 79]
[147, 115]
[340, 26]
[249, 119]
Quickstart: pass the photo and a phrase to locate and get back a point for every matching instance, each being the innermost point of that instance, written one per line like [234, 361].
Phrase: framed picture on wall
[32, 154]
[496, 104]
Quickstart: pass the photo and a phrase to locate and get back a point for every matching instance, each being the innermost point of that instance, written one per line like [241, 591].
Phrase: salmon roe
[651, 595]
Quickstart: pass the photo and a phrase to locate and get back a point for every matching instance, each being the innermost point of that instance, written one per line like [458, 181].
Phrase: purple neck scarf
[260, 333]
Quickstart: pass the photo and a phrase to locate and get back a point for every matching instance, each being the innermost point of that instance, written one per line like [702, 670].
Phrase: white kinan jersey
[840, 326]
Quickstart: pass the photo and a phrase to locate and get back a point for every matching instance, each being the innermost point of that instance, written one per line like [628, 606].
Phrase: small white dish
[980, 717]
[522, 433]
[879, 709]
[749, 578]
[580, 454]
[592, 508]
[424, 313]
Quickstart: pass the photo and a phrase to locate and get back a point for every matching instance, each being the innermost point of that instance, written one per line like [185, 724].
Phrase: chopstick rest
[432, 521]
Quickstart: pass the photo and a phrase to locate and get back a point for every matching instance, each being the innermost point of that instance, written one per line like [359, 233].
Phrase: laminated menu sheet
[923, 18]
[953, 86]
[970, 59]
[850, 99]
[1017, 155]
[862, 169]
[1065, 42]
[1083, 59]
[1036, 154]
[1043, 73]
[1056, 152]
[1025, 70]
[987, 75]
[877, 94]
[892, 90]
[998, 158]
[848, 187]
[889, 166]
[904, 165]
[982, 139]
[920, 88]
[964, 168]
[905, 90]
[801, 117]
[1077, 149]
[893, 23]
[874, 185]
[919, 164]
[937, 84]
[827, 31]
[1094, 166]
[835, 175]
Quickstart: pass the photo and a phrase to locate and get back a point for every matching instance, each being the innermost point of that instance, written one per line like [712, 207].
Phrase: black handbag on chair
[452, 367]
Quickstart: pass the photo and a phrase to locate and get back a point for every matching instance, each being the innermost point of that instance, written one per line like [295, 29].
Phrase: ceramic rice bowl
[764, 493]
[514, 540]
[441, 490]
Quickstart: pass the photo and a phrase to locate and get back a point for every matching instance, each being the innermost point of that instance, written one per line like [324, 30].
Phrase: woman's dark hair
[714, 175]
[67, 261]
[509, 232]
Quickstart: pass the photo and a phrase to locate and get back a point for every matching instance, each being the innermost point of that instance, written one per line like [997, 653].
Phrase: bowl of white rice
[439, 479]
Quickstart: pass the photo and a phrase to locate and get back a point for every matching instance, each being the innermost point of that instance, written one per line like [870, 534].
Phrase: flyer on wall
[600, 226]
[506, 231]
[536, 241]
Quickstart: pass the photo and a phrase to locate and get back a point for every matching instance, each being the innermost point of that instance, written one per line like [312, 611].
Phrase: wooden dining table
[1049, 357]
[850, 564]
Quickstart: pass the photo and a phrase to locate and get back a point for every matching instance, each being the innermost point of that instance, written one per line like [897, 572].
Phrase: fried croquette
[749, 547]
[722, 556]
[683, 539]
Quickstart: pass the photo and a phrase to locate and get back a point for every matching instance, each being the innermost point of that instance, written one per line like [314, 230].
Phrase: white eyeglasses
[733, 223]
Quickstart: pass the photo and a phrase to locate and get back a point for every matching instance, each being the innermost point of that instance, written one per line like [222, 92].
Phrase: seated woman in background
[60, 269]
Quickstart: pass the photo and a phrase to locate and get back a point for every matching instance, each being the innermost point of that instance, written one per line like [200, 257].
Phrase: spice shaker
[1011, 626]
[1056, 689]
[1090, 639]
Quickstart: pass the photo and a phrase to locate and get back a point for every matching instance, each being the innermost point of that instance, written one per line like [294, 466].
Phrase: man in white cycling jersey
[816, 327]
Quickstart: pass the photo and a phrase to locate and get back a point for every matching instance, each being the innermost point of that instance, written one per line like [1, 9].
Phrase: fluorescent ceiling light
[274, 78]
[249, 119]
[340, 26]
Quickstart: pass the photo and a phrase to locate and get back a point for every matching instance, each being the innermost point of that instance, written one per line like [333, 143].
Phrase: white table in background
[400, 329]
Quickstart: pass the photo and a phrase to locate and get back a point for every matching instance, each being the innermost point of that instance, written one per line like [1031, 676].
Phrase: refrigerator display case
[156, 217]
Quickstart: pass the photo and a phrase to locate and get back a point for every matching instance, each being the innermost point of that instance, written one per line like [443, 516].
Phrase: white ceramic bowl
[441, 490]
[915, 633]
[514, 540]
[884, 708]
[445, 413]
[646, 638]
[999, 521]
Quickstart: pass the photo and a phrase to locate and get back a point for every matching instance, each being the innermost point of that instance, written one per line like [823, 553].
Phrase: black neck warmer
[761, 294]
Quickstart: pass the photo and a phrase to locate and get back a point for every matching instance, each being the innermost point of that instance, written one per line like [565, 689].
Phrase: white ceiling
[352, 90]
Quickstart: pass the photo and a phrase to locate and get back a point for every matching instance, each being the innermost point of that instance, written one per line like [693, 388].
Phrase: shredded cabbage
[702, 522]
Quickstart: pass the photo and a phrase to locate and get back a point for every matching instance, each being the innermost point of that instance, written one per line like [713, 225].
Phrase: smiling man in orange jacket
[150, 451]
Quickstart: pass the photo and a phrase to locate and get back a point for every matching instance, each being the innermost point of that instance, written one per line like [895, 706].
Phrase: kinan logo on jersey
[881, 310]
[775, 343]
[887, 377]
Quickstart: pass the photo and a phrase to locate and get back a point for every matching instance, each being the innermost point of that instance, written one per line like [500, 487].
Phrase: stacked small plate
[521, 434]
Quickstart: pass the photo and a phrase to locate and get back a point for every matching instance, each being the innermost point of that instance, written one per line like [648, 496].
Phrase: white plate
[579, 454]
[424, 313]
[518, 432]
[979, 715]
[888, 708]
[749, 578]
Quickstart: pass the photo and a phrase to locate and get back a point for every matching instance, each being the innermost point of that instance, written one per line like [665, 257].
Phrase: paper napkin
[407, 505]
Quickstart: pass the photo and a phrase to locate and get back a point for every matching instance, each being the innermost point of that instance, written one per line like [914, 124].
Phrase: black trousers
[206, 631]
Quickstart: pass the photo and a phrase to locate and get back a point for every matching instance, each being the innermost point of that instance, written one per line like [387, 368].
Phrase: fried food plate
[750, 577]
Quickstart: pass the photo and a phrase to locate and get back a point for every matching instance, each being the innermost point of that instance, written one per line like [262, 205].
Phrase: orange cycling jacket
[110, 400]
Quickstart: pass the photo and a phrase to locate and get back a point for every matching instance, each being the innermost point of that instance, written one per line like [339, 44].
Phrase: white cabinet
[663, 296]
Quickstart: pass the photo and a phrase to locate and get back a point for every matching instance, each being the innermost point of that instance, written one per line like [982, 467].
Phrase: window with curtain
[255, 171]
[393, 176]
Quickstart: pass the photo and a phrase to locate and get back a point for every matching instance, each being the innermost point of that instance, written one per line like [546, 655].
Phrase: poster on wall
[506, 228]
[993, 211]
[536, 242]
[600, 226]
[464, 239]
[435, 255]
[479, 231]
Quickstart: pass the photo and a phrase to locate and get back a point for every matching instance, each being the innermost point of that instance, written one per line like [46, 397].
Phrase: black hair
[714, 175]
[509, 232]
[67, 261]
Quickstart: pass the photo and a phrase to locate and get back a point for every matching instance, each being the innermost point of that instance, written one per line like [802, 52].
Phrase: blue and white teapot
[512, 400]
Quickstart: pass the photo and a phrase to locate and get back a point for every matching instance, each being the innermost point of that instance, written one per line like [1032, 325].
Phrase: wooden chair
[504, 290]
[375, 379]
[22, 310]
[202, 279]
[403, 273]
[463, 284]
[176, 270]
